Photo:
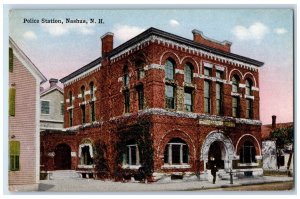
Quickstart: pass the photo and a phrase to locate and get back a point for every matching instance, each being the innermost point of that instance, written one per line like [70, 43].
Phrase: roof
[267, 128]
[153, 31]
[27, 62]
[81, 70]
[166, 35]
[50, 89]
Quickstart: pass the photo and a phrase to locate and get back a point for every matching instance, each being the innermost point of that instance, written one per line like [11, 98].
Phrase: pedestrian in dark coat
[214, 170]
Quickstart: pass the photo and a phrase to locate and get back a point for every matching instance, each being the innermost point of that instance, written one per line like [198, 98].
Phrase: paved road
[90, 185]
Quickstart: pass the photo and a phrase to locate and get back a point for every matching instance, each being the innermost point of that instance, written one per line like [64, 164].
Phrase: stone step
[63, 174]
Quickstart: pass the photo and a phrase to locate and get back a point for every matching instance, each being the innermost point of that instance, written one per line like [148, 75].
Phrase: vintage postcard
[141, 100]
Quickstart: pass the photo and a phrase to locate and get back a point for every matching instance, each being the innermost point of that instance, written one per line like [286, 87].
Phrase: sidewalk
[90, 185]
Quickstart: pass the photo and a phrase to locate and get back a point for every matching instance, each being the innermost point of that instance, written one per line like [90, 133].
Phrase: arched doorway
[219, 146]
[62, 158]
[216, 154]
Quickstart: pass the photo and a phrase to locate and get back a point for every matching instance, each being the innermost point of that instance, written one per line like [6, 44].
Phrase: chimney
[53, 82]
[273, 121]
[200, 38]
[107, 41]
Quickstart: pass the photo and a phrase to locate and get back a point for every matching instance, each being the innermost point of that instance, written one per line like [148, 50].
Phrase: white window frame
[129, 163]
[49, 107]
[170, 162]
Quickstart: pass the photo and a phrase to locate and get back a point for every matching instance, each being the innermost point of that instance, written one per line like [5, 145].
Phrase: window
[206, 96]
[247, 153]
[127, 101]
[248, 90]
[82, 89]
[62, 108]
[92, 103]
[125, 76]
[188, 73]
[45, 107]
[188, 101]
[70, 98]
[249, 108]
[235, 84]
[12, 101]
[207, 71]
[219, 74]
[11, 60]
[83, 113]
[86, 155]
[219, 93]
[14, 155]
[132, 155]
[140, 91]
[169, 96]
[169, 70]
[140, 69]
[176, 152]
[71, 117]
[235, 107]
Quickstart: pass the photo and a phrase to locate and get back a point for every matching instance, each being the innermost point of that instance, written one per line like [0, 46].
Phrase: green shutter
[14, 155]
[11, 60]
[12, 101]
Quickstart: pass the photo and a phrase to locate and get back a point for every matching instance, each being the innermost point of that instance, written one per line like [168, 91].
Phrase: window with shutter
[12, 101]
[14, 155]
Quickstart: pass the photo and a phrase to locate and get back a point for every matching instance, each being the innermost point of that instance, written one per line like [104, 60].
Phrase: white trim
[154, 66]
[37, 132]
[67, 100]
[27, 63]
[249, 97]
[51, 128]
[176, 166]
[189, 57]
[90, 149]
[229, 76]
[236, 94]
[83, 166]
[186, 48]
[179, 71]
[242, 85]
[171, 52]
[70, 107]
[255, 88]
[79, 95]
[106, 34]
[126, 166]
[207, 65]
[252, 77]
[253, 164]
[237, 144]
[87, 92]
[50, 90]
[83, 75]
[220, 68]
[49, 120]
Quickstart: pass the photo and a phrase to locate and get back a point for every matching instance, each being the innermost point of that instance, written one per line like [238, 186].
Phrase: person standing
[214, 170]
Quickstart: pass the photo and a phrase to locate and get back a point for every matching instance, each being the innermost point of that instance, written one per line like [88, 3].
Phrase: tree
[283, 136]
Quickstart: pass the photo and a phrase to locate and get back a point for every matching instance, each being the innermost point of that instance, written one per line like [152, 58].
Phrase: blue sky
[262, 34]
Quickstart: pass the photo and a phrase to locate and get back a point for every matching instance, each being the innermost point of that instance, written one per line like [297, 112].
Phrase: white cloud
[256, 31]
[30, 35]
[280, 31]
[58, 29]
[174, 23]
[125, 32]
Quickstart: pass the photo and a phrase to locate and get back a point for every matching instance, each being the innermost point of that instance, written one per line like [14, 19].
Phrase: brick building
[24, 120]
[172, 105]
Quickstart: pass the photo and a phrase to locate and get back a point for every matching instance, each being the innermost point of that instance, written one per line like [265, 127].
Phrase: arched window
[188, 73]
[125, 76]
[235, 83]
[248, 87]
[70, 98]
[82, 89]
[247, 152]
[92, 102]
[169, 70]
[140, 69]
[176, 152]
[86, 153]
